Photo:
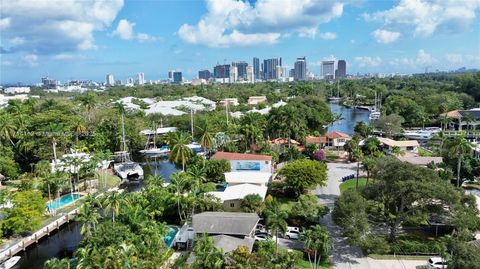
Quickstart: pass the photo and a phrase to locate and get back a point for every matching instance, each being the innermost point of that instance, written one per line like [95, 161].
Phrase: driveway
[346, 256]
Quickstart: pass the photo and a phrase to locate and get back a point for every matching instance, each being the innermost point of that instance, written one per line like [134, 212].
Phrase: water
[64, 242]
[64, 200]
[172, 232]
[350, 118]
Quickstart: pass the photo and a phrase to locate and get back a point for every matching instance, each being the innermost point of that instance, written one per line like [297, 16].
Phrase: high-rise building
[221, 71]
[328, 69]
[300, 67]
[279, 72]
[342, 69]
[241, 70]
[141, 78]
[250, 74]
[256, 68]
[177, 77]
[270, 68]
[109, 81]
[204, 74]
[170, 75]
[233, 74]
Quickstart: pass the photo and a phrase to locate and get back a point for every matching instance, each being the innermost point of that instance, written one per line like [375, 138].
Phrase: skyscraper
[177, 77]
[221, 71]
[233, 74]
[270, 68]
[204, 74]
[342, 69]
[256, 68]
[300, 67]
[250, 74]
[170, 75]
[328, 69]
[109, 81]
[241, 70]
[141, 78]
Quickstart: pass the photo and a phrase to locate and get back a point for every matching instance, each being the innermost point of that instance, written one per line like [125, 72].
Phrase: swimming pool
[170, 237]
[63, 200]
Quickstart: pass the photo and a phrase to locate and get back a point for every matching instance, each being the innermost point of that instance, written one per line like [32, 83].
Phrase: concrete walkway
[346, 256]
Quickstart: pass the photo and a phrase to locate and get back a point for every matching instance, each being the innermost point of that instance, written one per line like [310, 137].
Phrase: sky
[87, 39]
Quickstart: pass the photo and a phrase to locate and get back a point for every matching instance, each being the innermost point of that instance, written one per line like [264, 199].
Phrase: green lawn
[305, 264]
[285, 203]
[351, 183]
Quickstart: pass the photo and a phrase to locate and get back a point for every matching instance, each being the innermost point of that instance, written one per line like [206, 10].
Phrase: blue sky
[86, 39]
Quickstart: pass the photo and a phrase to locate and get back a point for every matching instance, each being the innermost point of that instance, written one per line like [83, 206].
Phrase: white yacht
[375, 110]
[374, 115]
[10, 262]
[424, 134]
[156, 151]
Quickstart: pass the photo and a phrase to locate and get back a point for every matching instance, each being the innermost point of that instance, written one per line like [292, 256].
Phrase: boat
[128, 170]
[151, 149]
[424, 134]
[335, 99]
[10, 262]
[375, 113]
[156, 151]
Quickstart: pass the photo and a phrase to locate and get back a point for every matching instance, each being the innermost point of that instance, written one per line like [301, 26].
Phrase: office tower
[141, 78]
[270, 68]
[170, 75]
[177, 77]
[130, 81]
[256, 68]
[279, 72]
[342, 69]
[204, 74]
[233, 74]
[300, 69]
[291, 73]
[221, 71]
[328, 69]
[250, 74]
[241, 70]
[109, 81]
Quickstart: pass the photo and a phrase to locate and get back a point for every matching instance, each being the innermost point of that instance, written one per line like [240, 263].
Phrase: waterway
[64, 242]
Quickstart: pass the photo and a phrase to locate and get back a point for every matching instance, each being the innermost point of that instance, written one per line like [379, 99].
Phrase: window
[341, 140]
[232, 204]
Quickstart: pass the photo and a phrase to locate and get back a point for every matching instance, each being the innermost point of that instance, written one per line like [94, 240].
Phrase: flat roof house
[246, 162]
[256, 178]
[232, 196]
[255, 100]
[407, 145]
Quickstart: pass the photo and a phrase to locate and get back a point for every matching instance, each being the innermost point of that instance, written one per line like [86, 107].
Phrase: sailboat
[335, 99]
[151, 149]
[375, 112]
[128, 170]
[10, 262]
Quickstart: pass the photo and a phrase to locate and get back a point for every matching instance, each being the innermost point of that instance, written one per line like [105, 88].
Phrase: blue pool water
[172, 231]
[63, 200]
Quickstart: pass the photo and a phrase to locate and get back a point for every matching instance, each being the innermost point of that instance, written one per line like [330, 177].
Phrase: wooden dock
[35, 237]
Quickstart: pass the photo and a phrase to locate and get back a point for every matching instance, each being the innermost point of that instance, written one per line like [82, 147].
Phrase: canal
[64, 242]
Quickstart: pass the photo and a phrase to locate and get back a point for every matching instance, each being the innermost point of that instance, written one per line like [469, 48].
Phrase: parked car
[291, 234]
[260, 228]
[293, 228]
[264, 236]
[437, 262]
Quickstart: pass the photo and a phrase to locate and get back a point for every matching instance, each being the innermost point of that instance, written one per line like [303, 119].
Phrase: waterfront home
[246, 162]
[463, 119]
[248, 177]
[421, 161]
[280, 144]
[233, 196]
[255, 100]
[334, 139]
[388, 145]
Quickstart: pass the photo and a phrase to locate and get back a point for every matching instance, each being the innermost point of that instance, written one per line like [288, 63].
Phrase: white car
[437, 262]
[264, 237]
[293, 228]
[291, 234]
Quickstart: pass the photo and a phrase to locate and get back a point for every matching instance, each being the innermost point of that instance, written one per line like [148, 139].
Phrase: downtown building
[341, 71]
[204, 74]
[109, 80]
[221, 73]
[140, 78]
[328, 70]
[300, 69]
[272, 68]
[241, 70]
[256, 68]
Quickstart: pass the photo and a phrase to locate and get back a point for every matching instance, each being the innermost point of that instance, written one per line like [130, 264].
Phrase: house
[246, 162]
[248, 177]
[421, 161]
[279, 144]
[332, 140]
[229, 101]
[464, 119]
[388, 144]
[233, 195]
[255, 100]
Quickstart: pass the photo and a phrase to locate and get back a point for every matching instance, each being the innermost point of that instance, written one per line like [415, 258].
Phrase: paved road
[346, 256]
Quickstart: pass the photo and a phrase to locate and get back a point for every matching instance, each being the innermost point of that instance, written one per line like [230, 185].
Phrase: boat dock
[35, 237]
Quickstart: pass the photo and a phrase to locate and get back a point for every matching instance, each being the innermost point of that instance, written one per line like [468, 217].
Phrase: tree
[464, 256]
[89, 102]
[215, 170]
[276, 220]
[349, 212]
[206, 254]
[368, 163]
[318, 241]
[252, 203]
[113, 202]
[362, 129]
[308, 209]
[206, 138]
[89, 216]
[303, 174]
[56, 263]
[390, 124]
[358, 156]
[26, 212]
[180, 153]
[179, 181]
[459, 147]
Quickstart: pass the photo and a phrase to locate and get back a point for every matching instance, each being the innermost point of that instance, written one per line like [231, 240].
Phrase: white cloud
[142, 37]
[124, 30]
[17, 41]
[31, 59]
[230, 23]
[67, 57]
[460, 60]
[428, 17]
[328, 35]
[367, 61]
[422, 60]
[385, 37]
[55, 26]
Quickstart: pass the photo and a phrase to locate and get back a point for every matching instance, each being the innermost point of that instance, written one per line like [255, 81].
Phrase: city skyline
[153, 37]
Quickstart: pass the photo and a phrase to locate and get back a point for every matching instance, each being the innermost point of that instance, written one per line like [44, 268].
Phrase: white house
[246, 162]
[248, 177]
[232, 196]
[14, 90]
[407, 145]
[255, 100]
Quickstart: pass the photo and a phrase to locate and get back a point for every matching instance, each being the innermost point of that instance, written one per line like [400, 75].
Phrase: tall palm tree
[89, 216]
[459, 146]
[180, 153]
[368, 163]
[206, 138]
[207, 255]
[318, 241]
[357, 155]
[276, 220]
[7, 128]
[78, 128]
[89, 101]
[113, 201]
[178, 181]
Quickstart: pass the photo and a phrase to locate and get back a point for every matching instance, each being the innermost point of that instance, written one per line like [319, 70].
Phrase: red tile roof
[334, 135]
[316, 140]
[220, 155]
[283, 141]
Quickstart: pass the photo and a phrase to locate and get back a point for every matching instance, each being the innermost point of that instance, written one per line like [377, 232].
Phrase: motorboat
[10, 262]
[374, 115]
[197, 148]
[424, 134]
[156, 151]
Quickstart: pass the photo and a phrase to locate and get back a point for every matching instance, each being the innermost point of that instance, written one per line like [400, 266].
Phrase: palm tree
[368, 163]
[179, 151]
[113, 201]
[357, 155]
[7, 128]
[78, 128]
[397, 151]
[459, 146]
[178, 181]
[89, 216]
[56, 263]
[318, 241]
[207, 255]
[198, 173]
[89, 101]
[206, 138]
[276, 220]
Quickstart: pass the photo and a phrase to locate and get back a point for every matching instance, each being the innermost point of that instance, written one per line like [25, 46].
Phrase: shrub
[411, 246]
[375, 244]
